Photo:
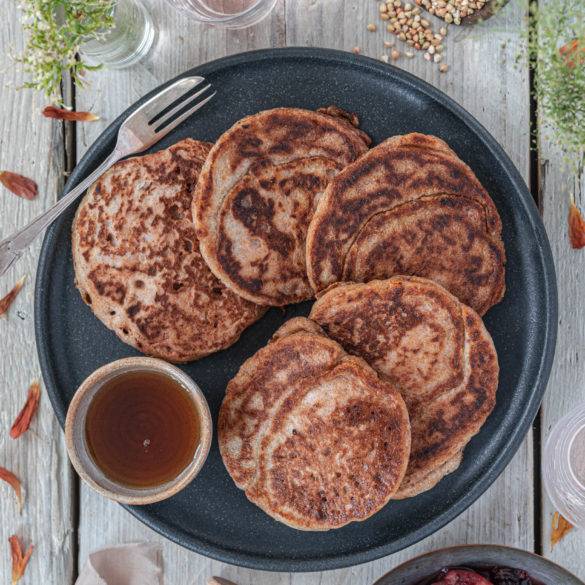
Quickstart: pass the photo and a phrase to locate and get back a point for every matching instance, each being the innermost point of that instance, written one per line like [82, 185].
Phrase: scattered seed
[404, 20]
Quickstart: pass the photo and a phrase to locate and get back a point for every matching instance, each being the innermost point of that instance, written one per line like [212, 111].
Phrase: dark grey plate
[212, 516]
[419, 568]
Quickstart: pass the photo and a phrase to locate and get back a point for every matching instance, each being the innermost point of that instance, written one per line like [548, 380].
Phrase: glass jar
[226, 13]
[563, 466]
[128, 41]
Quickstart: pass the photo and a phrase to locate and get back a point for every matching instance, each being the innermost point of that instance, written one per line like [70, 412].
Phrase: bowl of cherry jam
[479, 565]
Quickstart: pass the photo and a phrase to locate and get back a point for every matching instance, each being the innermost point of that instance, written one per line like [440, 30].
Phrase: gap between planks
[69, 131]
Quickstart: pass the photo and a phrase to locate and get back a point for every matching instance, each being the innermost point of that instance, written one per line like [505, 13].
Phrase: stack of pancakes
[377, 393]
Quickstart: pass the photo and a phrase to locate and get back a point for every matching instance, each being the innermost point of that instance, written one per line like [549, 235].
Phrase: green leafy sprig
[556, 51]
[56, 29]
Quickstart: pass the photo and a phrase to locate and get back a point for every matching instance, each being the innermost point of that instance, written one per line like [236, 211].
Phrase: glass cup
[563, 466]
[128, 41]
[226, 13]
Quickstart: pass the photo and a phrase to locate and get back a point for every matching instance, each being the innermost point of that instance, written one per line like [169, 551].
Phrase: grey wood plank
[482, 78]
[567, 384]
[33, 146]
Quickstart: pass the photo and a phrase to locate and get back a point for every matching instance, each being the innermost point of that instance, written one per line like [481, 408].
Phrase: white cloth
[128, 564]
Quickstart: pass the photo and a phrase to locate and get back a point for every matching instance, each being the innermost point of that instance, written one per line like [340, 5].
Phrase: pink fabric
[129, 564]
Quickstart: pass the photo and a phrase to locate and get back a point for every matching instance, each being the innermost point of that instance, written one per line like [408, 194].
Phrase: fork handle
[20, 240]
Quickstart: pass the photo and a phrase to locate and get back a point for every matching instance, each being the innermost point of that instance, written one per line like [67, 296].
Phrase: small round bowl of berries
[479, 565]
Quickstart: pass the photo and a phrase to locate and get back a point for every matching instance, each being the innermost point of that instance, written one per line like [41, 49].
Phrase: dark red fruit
[507, 576]
[462, 577]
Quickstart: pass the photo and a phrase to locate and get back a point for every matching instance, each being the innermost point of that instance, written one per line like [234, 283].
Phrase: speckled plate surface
[212, 516]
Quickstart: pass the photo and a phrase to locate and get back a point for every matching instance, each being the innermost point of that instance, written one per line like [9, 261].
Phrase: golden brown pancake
[430, 346]
[409, 206]
[314, 436]
[137, 260]
[257, 193]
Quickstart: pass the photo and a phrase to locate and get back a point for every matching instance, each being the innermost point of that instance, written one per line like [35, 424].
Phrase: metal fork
[139, 131]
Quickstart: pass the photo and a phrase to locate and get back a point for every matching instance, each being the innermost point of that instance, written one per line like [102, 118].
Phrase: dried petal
[576, 227]
[560, 528]
[9, 298]
[64, 114]
[29, 409]
[19, 561]
[19, 185]
[14, 483]
[573, 53]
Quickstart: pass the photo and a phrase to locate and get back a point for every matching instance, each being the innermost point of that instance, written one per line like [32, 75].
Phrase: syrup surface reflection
[142, 429]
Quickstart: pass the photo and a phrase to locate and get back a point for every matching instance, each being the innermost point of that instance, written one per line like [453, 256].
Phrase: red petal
[29, 409]
[14, 483]
[19, 560]
[6, 301]
[64, 114]
[576, 227]
[19, 185]
[560, 528]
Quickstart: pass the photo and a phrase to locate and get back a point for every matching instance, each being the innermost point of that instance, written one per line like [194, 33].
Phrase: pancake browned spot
[314, 436]
[137, 260]
[434, 349]
[257, 194]
[409, 206]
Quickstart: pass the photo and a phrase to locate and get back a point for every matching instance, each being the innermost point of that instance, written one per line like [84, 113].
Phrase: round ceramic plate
[419, 568]
[212, 516]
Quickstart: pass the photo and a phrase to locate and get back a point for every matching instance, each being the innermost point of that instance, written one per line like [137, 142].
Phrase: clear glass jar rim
[218, 17]
[562, 485]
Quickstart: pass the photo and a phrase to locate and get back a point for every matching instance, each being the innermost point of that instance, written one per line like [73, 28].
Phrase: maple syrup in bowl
[138, 430]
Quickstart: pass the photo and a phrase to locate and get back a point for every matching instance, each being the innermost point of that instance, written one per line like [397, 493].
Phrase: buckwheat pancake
[257, 193]
[409, 206]
[313, 435]
[137, 260]
[430, 346]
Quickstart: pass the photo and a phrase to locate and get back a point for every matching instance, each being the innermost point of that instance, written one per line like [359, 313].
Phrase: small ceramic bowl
[425, 566]
[76, 440]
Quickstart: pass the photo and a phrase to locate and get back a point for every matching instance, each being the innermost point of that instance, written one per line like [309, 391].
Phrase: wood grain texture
[482, 79]
[33, 146]
[566, 388]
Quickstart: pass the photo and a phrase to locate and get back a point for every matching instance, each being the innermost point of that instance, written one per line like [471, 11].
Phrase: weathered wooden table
[64, 519]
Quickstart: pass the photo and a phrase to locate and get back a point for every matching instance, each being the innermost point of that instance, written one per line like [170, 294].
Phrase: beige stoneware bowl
[76, 440]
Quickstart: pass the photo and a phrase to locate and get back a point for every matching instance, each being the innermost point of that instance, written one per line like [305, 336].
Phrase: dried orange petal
[560, 528]
[22, 421]
[19, 185]
[6, 301]
[14, 483]
[19, 560]
[576, 227]
[70, 115]
[573, 52]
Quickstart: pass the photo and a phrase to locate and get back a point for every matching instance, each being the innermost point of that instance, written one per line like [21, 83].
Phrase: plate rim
[495, 548]
[289, 564]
